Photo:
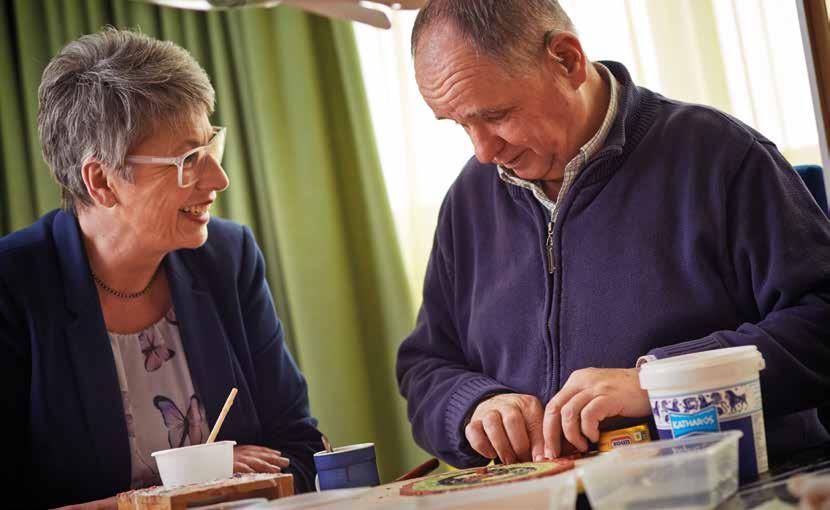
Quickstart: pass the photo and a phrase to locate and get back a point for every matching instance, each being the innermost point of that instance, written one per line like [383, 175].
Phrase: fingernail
[549, 453]
[538, 458]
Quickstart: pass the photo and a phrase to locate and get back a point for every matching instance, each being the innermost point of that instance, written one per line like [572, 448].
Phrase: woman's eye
[191, 159]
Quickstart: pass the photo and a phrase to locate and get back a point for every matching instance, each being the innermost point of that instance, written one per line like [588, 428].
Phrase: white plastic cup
[711, 391]
[195, 464]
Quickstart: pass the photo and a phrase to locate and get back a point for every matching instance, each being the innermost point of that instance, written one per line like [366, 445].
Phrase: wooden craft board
[268, 486]
[485, 476]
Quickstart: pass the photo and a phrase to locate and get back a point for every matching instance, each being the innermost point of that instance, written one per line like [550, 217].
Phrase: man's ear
[97, 184]
[565, 51]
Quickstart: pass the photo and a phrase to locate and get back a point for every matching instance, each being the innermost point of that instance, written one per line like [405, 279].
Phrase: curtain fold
[304, 172]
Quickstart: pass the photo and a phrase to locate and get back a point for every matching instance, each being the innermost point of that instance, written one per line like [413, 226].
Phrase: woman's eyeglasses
[191, 163]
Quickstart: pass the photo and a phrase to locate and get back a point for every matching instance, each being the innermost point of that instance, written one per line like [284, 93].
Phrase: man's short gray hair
[510, 31]
[105, 92]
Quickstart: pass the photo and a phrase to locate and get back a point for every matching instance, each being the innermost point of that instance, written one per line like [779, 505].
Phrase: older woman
[127, 316]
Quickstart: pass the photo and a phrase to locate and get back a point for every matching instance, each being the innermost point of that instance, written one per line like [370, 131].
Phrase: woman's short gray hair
[510, 31]
[105, 92]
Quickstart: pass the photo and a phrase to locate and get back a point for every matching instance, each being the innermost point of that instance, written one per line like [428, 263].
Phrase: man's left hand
[589, 396]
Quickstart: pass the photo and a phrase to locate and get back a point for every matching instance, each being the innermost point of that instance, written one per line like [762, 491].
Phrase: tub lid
[693, 369]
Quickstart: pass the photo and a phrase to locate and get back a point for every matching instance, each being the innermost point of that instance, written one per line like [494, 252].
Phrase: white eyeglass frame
[178, 161]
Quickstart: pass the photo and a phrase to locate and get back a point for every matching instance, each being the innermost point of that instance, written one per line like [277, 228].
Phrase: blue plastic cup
[347, 467]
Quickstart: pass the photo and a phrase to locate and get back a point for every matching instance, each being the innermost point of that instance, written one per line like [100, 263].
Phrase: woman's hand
[246, 459]
[257, 459]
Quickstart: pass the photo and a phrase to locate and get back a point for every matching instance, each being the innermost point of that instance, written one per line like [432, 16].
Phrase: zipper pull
[549, 246]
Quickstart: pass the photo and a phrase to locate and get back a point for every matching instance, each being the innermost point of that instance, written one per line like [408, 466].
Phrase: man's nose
[487, 145]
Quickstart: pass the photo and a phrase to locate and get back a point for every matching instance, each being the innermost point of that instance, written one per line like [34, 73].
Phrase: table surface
[770, 491]
[772, 486]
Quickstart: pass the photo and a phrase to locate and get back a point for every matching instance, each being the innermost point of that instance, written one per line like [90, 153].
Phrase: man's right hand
[508, 426]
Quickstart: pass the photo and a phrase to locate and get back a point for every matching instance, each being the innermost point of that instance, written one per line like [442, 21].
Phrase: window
[744, 57]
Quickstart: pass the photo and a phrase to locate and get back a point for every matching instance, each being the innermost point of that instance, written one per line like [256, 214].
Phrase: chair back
[814, 179]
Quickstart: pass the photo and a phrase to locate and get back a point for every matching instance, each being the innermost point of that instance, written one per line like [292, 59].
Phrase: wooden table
[772, 486]
[244, 486]
[559, 491]
[533, 494]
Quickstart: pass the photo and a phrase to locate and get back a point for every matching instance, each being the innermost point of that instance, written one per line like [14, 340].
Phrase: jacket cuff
[698, 345]
[460, 406]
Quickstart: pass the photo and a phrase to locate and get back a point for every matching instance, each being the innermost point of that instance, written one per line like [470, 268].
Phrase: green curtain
[304, 175]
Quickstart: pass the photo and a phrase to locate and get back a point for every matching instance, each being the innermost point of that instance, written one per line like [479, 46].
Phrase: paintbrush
[326, 443]
[423, 469]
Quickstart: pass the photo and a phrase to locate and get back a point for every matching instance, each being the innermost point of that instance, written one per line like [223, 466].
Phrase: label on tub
[694, 423]
[736, 407]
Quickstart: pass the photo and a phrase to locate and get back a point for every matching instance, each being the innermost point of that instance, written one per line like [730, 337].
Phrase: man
[601, 224]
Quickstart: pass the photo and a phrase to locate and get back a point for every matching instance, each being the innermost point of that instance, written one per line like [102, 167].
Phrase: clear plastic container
[691, 472]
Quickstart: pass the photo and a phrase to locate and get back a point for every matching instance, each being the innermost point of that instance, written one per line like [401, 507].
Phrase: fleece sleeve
[440, 389]
[778, 243]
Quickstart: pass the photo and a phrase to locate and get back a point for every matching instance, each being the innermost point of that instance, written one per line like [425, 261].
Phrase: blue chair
[814, 179]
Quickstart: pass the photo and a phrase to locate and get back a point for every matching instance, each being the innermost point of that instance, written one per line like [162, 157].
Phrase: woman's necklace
[125, 295]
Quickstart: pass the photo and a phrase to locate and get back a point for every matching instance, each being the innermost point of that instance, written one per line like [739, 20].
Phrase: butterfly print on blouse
[183, 428]
[154, 349]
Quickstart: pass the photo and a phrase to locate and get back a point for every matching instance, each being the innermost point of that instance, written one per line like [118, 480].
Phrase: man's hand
[589, 396]
[257, 459]
[508, 426]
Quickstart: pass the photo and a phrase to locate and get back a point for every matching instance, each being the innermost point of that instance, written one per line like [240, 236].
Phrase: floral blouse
[161, 408]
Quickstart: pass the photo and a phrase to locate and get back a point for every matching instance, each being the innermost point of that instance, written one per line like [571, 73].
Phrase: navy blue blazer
[67, 441]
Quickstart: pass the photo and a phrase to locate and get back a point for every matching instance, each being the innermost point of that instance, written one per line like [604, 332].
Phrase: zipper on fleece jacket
[549, 247]
[550, 259]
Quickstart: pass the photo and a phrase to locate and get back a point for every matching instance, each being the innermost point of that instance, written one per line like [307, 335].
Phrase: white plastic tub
[693, 472]
[711, 391]
[195, 464]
